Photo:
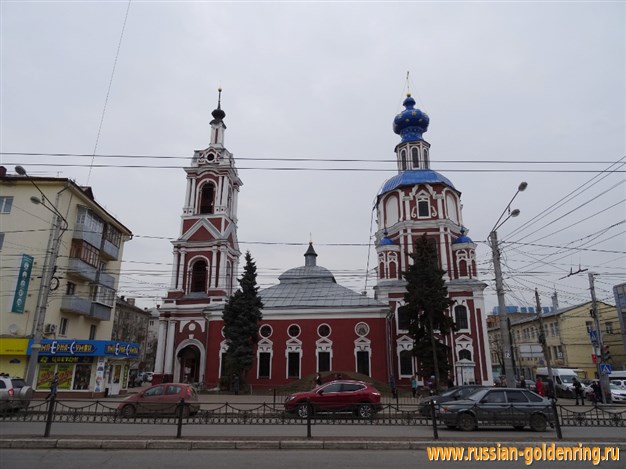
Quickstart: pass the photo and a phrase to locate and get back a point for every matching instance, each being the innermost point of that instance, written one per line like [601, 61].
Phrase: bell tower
[421, 202]
[206, 254]
[205, 260]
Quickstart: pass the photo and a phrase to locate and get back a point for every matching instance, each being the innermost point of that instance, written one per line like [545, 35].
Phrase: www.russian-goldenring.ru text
[528, 454]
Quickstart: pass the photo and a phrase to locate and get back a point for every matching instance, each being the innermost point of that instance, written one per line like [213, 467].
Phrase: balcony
[110, 250]
[87, 234]
[76, 304]
[101, 312]
[81, 269]
[107, 280]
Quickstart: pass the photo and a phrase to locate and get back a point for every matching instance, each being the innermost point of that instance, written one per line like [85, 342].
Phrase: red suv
[161, 399]
[336, 396]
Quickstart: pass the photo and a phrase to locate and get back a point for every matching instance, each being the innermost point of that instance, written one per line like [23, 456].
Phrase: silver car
[498, 406]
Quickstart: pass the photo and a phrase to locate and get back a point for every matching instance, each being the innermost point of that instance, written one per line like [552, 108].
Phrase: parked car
[452, 394]
[147, 376]
[161, 399]
[14, 393]
[618, 395]
[498, 406]
[336, 396]
[619, 382]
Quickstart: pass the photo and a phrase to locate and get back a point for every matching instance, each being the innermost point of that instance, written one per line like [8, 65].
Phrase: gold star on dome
[414, 113]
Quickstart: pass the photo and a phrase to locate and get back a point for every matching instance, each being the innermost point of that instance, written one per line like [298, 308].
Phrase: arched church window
[462, 268]
[415, 156]
[423, 207]
[198, 276]
[207, 198]
[465, 355]
[391, 211]
[460, 317]
[406, 363]
[403, 159]
[425, 158]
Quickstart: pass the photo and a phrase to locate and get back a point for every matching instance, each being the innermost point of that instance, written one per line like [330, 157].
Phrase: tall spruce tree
[241, 316]
[426, 303]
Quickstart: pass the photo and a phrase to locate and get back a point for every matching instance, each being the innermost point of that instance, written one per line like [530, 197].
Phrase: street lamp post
[59, 226]
[504, 325]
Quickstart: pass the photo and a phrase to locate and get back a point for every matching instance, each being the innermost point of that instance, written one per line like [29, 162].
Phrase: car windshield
[477, 395]
[567, 379]
[449, 392]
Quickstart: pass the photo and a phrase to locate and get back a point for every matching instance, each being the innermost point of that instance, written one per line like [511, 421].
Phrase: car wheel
[128, 411]
[303, 410]
[538, 422]
[365, 411]
[467, 422]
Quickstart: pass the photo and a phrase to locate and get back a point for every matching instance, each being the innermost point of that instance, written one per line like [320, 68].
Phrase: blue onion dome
[463, 239]
[411, 123]
[386, 241]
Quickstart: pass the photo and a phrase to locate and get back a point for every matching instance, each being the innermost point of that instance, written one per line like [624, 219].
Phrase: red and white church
[311, 323]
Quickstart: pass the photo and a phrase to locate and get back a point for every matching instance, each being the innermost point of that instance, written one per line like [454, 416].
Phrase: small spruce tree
[426, 303]
[241, 316]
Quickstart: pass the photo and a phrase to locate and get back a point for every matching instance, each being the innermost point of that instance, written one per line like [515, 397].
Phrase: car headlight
[290, 398]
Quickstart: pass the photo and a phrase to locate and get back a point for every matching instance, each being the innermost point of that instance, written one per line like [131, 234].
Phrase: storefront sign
[23, 279]
[92, 348]
[11, 346]
[46, 359]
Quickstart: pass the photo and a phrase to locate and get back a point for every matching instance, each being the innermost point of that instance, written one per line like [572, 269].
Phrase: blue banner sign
[87, 348]
[23, 280]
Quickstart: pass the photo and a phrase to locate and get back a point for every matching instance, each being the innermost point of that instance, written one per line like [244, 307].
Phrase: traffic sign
[593, 335]
[606, 369]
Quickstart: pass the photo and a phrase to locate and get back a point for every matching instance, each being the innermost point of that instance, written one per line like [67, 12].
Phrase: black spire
[218, 114]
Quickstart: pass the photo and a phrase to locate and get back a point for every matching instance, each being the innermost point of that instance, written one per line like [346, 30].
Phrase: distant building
[620, 302]
[131, 325]
[567, 333]
[81, 299]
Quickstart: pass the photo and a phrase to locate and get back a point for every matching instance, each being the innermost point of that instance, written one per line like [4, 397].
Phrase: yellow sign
[10, 346]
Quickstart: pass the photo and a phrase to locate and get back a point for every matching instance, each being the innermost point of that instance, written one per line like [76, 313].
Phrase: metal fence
[391, 412]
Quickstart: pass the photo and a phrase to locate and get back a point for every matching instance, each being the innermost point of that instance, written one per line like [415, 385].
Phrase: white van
[563, 380]
[618, 378]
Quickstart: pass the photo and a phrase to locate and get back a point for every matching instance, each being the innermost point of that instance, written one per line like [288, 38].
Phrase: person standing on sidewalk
[414, 385]
[54, 384]
[392, 385]
[578, 392]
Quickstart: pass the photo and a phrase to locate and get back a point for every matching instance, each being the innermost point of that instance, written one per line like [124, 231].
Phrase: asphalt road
[363, 459]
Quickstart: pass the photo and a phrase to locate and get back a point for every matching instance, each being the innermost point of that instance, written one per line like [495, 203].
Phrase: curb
[312, 444]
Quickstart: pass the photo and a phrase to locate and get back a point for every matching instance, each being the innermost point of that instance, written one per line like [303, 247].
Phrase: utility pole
[47, 274]
[542, 341]
[504, 325]
[605, 386]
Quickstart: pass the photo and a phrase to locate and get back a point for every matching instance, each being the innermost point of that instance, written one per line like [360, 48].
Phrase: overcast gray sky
[513, 84]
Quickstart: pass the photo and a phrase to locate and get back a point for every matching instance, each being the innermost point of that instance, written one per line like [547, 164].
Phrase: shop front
[13, 357]
[85, 368]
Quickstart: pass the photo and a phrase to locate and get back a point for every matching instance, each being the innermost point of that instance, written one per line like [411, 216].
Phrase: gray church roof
[312, 286]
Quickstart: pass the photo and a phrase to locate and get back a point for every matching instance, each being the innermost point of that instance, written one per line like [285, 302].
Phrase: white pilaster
[158, 363]
[169, 348]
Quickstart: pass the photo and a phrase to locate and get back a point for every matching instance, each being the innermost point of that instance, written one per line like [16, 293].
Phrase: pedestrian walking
[539, 387]
[318, 380]
[578, 392]
[392, 386]
[414, 385]
[54, 384]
